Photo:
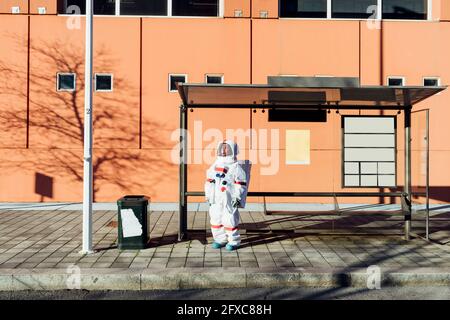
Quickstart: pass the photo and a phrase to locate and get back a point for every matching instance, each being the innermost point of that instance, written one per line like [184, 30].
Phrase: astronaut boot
[231, 247]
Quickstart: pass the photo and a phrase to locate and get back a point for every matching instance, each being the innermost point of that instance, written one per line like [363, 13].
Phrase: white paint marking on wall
[130, 224]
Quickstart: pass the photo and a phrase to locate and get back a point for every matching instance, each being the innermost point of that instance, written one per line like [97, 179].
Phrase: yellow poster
[298, 147]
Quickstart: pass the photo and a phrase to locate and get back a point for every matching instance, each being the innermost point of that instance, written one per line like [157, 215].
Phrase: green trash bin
[133, 231]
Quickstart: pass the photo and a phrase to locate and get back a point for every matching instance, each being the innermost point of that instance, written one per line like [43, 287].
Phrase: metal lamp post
[87, 158]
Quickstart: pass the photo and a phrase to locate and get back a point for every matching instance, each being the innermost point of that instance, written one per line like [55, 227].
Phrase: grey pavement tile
[128, 254]
[9, 265]
[197, 246]
[142, 259]
[277, 255]
[69, 259]
[58, 254]
[264, 259]
[211, 250]
[249, 264]
[246, 258]
[84, 265]
[176, 263]
[46, 265]
[64, 265]
[106, 261]
[194, 262]
[73, 255]
[226, 264]
[24, 255]
[50, 260]
[161, 255]
[178, 254]
[285, 264]
[138, 265]
[14, 251]
[296, 255]
[195, 254]
[317, 261]
[122, 260]
[159, 261]
[199, 252]
[337, 264]
[230, 259]
[35, 259]
[215, 258]
[163, 249]
[226, 253]
[146, 253]
[212, 263]
[120, 265]
[16, 260]
[261, 255]
[302, 264]
[27, 265]
[83, 260]
[266, 264]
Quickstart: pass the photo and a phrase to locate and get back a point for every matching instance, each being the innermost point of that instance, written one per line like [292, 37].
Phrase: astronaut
[225, 186]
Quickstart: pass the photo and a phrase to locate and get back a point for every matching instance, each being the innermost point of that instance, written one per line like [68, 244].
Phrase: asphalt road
[388, 293]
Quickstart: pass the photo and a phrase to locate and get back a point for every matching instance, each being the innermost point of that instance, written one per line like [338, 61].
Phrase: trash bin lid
[133, 199]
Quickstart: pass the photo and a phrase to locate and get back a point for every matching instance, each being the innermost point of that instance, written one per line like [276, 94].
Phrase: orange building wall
[220, 46]
[306, 48]
[406, 56]
[269, 6]
[49, 5]
[25, 5]
[230, 6]
[13, 81]
[135, 134]
[370, 62]
[5, 6]
[445, 10]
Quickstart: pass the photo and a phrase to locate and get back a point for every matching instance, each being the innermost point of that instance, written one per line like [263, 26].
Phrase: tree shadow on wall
[56, 121]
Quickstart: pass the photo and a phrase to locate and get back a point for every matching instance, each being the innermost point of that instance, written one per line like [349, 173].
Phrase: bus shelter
[295, 93]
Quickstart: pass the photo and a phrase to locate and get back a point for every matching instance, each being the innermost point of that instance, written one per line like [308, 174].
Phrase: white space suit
[225, 185]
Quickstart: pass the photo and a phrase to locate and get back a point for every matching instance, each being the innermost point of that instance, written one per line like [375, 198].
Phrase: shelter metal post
[407, 209]
[182, 215]
[427, 187]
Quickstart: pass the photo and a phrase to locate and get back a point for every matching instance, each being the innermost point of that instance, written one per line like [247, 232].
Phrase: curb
[186, 278]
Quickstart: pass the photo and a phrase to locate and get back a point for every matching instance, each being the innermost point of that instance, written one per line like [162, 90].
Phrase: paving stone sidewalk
[52, 239]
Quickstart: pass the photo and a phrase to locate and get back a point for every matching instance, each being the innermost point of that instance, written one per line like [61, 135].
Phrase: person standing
[225, 185]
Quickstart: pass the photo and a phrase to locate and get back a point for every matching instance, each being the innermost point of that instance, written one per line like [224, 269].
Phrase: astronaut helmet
[224, 150]
[227, 151]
